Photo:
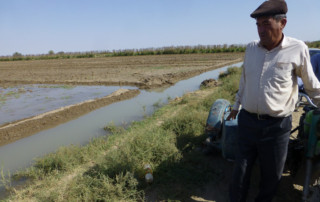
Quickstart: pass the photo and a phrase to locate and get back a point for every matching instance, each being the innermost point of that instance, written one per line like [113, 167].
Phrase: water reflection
[23, 101]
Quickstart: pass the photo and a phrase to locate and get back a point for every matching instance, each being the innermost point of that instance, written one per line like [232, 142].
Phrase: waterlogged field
[62, 84]
[25, 101]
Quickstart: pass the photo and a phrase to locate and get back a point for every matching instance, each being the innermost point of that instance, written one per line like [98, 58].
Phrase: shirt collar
[283, 43]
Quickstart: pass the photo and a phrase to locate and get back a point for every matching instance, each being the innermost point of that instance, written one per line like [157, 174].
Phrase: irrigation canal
[21, 154]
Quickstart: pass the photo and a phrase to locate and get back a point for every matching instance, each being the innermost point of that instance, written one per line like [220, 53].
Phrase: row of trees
[129, 52]
[313, 44]
[133, 52]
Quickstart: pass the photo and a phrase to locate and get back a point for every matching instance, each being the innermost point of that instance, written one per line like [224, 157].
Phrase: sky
[38, 26]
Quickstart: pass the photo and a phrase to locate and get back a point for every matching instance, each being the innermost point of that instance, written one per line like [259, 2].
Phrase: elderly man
[268, 92]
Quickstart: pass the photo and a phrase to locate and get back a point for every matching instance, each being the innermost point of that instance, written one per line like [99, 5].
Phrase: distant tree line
[313, 44]
[134, 52]
[129, 52]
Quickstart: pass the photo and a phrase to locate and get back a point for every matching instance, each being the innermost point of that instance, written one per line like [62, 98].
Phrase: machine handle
[308, 99]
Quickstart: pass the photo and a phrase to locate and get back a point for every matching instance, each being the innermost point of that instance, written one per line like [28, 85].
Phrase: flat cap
[269, 8]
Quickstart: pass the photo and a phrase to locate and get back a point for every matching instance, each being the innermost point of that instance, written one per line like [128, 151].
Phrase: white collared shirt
[268, 83]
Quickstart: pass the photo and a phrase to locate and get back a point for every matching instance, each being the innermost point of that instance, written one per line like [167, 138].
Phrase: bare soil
[142, 71]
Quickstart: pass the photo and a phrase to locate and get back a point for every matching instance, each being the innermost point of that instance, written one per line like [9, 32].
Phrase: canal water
[21, 154]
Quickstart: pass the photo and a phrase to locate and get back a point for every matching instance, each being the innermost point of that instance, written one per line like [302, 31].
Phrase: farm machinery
[303, 160]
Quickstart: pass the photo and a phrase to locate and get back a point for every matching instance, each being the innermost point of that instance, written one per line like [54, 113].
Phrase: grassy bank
[111, 168]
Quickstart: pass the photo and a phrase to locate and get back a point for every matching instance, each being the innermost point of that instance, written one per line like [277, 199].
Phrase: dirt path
[218, 191]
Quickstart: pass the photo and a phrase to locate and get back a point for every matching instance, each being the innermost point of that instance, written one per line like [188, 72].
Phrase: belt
[260, 116]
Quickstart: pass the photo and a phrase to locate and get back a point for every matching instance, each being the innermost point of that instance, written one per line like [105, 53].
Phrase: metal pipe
[308, 99]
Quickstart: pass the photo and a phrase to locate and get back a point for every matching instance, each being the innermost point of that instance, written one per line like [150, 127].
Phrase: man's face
[270, 31]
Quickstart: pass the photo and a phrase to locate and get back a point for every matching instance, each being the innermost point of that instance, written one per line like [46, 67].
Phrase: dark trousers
[265, 140]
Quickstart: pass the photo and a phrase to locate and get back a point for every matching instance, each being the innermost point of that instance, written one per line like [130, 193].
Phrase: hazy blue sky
[37, 26]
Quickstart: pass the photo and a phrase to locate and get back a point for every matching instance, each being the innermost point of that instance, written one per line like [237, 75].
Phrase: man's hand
[232, 115]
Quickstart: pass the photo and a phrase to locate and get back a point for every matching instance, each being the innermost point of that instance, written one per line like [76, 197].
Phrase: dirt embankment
[141, 71]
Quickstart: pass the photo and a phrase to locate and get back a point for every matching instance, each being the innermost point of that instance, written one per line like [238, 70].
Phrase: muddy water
[21, 153]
